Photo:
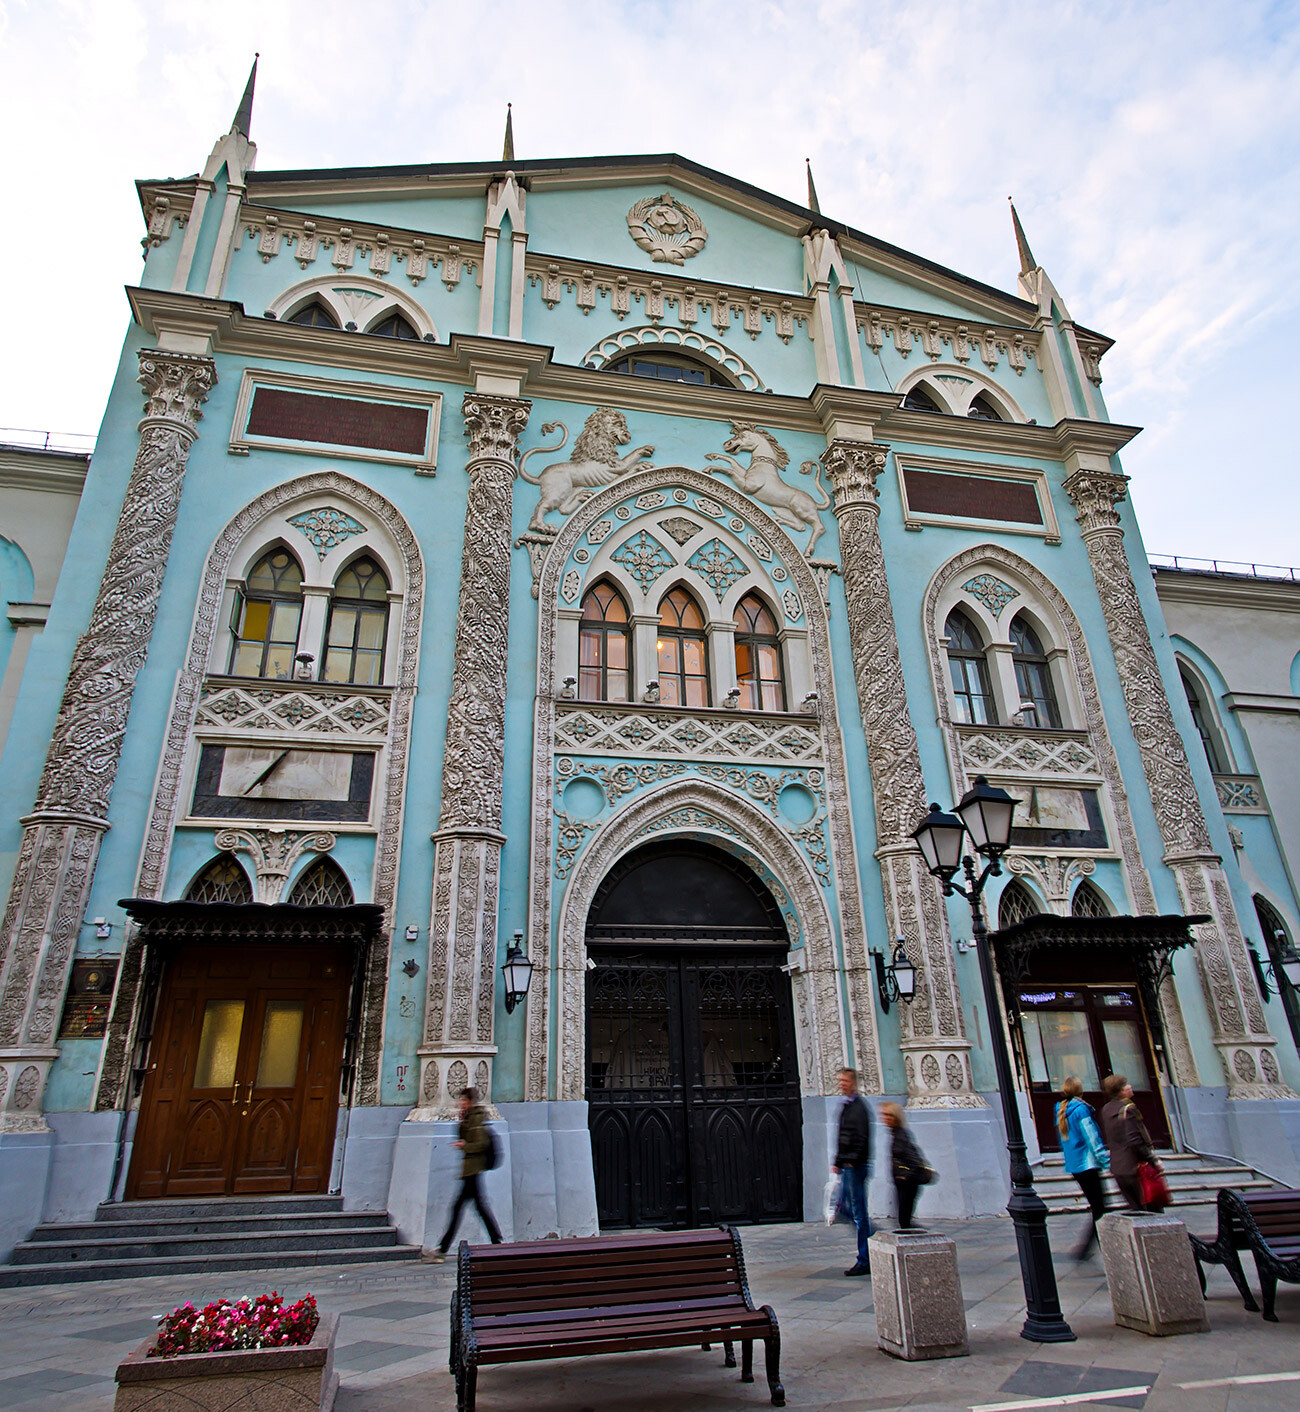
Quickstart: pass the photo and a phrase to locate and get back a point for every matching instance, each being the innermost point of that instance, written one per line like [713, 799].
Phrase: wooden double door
[693, 1087]
[241, 1094]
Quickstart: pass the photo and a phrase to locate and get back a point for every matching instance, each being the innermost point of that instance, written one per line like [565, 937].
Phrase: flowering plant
[226, 1324]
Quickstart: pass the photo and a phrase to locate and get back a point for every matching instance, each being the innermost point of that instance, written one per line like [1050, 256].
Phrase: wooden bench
[607, 1294]
[1266, 1223]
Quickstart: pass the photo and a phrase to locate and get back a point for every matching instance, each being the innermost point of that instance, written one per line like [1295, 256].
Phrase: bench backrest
[704, 1266]
[1275, 1213]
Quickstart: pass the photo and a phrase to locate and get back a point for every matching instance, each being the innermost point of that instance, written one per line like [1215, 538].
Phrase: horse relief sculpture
[761, 479]
[593, 463]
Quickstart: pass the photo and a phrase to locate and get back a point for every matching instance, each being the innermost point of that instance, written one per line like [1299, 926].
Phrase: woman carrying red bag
[1133, 1163]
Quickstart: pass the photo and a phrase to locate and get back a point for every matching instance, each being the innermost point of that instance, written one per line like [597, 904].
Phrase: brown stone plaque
[85, 1012]
[338, 421]
[971, 497]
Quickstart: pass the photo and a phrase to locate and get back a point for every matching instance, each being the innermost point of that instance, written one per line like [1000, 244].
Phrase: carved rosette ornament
[60, 845]
[1235, 1009]
[934, 1040]
[467, 855]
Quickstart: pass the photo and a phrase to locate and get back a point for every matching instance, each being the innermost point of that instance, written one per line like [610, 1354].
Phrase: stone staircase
[130, 1240]
[1194, 1182]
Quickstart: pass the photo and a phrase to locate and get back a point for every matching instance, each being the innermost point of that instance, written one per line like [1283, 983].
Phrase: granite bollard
[298, 1379]
[919, 1309]
[1151, 1274]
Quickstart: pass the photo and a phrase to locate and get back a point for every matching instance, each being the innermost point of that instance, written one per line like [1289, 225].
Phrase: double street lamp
[984, 816]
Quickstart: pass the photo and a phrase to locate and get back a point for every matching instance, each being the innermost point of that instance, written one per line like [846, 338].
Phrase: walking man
[475, 1142]
[853, 1163]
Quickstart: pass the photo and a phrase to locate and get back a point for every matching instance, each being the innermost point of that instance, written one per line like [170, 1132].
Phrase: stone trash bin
[248, 1380]
[919, 1309]
[1151, 1274]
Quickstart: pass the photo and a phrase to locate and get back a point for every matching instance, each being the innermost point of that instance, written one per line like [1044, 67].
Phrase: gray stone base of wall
[1263, 1133]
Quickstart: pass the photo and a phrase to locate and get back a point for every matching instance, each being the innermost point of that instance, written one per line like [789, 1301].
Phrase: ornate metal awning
[260, 921]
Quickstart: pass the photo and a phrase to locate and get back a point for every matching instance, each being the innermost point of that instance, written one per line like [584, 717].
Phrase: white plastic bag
[831, 1197]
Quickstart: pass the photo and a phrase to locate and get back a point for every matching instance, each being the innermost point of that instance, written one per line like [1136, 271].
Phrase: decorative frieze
[1241, 1031]
[910, 329]
[241, 707]
[1240, 794]
[934, 1042]
[632, 731]
[56, 863]
[994, 750]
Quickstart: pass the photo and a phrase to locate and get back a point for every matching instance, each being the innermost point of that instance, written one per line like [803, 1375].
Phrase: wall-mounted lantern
[517, 971]
[897, 981]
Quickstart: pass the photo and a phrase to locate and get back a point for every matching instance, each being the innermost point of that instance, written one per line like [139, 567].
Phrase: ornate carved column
[61, 837]
[1240, 1029]
[458, 1048]
[934, 1040]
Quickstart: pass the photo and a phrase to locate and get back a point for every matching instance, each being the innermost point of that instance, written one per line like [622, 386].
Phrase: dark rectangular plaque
[971, 497]
[210, 803]
[338, 421]
[85, 1011]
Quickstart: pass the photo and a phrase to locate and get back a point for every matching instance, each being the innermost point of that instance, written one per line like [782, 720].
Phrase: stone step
[14, 1276]
[209, 1225]
[200, 1207]
[166, 1247]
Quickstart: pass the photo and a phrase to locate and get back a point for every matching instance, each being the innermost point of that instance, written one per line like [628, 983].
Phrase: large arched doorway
[692, 1069]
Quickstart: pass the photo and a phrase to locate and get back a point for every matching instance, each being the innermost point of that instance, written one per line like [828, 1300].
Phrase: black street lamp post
[984, 815]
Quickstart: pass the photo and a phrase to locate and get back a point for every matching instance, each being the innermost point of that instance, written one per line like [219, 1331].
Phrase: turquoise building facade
[605, 558]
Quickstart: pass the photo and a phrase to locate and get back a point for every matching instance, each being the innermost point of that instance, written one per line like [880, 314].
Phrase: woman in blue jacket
[1085, 1154]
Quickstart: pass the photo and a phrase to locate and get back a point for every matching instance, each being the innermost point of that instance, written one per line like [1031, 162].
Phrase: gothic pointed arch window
[968, 671]
[683, 651]
[1088, 902]
[395, 325]
[321, 884]
[983, 409]
[221, 880]
[759, 671]
[266, 618]
[1033, 674]
[604, 645]
[1016, 904]
[358, 626]
[313, 315]
[921, 399]
[1202, 720]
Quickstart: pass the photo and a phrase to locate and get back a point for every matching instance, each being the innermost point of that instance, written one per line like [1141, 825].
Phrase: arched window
[313, 315]
[1088, 902]
[221, 880]
[358, 626]
[1277, 941]
[323, 884]
[683, 651]
[1033, 675]
[266, 618]
[758, 657]
[604, 645]
[395, 326]
[969, 670]
[1201, 720]
[919, 399]
[668, 367]
[1015, 904]
[982, 409]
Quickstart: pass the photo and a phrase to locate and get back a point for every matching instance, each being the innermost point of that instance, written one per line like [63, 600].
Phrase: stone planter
[250, 1380]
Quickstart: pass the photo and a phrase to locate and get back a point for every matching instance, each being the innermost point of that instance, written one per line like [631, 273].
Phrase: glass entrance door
[1090, 1031]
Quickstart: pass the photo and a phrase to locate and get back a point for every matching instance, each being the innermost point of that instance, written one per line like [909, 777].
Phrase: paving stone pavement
[59, 1345]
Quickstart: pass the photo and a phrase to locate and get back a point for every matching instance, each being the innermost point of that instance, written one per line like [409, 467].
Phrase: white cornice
[1227, 591]
[55, 472]
[1260, 701]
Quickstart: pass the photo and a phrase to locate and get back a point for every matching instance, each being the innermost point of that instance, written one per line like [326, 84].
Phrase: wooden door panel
[174, 1041]
[319, 1108]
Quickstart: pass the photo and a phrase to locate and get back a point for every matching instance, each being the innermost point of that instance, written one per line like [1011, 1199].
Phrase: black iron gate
[693, 1086]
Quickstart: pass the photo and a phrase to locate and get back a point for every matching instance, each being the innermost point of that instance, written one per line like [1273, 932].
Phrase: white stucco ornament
[667, 229]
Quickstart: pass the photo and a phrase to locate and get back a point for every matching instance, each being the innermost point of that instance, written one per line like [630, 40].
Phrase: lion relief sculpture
[593, 463]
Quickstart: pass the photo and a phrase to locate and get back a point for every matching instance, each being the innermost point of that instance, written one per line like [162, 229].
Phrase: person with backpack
[477, 1143]
[1084, 1153]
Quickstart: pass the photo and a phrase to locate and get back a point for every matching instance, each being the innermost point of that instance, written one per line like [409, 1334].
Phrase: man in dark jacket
[853, 1163]
[475, 1142]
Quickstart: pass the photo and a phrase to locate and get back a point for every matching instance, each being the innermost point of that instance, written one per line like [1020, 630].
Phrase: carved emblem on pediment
[668, 230]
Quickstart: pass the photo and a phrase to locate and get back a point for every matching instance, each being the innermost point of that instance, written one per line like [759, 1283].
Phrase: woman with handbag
[910, 1169]
[1133, 1163]
[1084, 1153]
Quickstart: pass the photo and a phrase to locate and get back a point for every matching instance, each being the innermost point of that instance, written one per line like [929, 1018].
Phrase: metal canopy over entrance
[692, 1074]
[247, 1039]
[1083, 995]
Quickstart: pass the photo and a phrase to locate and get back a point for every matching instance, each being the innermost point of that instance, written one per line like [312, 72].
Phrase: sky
[1153, 151]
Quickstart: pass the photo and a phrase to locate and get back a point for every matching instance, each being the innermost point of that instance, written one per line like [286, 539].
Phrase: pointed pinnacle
[244, 114]
[812, 190]
[1027, 261]
[508, 146]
